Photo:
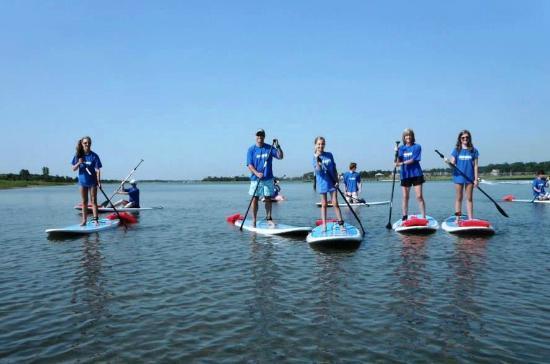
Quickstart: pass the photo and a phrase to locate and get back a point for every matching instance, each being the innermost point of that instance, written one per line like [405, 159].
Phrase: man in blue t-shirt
[352, 183]
[133, 196]
[259, 160]
[539, 183]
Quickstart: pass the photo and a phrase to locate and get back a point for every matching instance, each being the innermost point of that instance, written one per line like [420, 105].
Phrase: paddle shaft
[388, 225]
[125, 179]
[108, 199]
[257, 184]
[500, 209]
[342, 194]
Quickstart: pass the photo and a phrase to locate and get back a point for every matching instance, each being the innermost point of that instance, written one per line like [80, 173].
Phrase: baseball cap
[260, 132]
[133, 181]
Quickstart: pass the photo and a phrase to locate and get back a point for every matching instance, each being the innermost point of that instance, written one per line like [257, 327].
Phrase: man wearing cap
[259, 160]
[133, 195]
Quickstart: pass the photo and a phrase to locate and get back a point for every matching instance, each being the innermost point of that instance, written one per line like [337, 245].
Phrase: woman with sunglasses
[89, 176]
[465, 158]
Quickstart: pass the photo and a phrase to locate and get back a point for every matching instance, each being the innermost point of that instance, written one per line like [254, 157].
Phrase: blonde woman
[409, 156]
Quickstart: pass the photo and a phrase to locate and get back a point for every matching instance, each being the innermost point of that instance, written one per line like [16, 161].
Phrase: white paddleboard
[90, 227]
[263, 227]
[450, 226]
[529, 201]
[366, 203]
[432, 226]
[120, 209]
[334, 236]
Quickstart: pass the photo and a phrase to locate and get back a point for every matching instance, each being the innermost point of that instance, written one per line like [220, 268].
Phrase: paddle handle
[388, 225]
[126, 179]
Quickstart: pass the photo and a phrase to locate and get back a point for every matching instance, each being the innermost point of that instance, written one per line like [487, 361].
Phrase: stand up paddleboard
[528, 201]
[266, 228]
[120, 209]
[467, 227]
[89, 228]
[366, 203]
[415, 224]
[335, 237]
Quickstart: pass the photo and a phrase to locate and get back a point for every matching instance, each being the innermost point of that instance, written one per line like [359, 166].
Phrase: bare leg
[324, 210]
[405, 202]
[470, 200]
[254, 210]
[268, 206]
[334, 198]
[420, 200]
[458, 198]
[93, 200]
[84, 198]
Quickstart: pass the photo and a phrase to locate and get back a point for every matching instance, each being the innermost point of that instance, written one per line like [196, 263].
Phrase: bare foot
[83, 223]
[253, 223]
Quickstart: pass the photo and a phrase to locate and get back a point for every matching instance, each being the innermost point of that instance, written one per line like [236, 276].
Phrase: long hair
[406, 132]
[314, 177]
[80, 148]
[470, 145]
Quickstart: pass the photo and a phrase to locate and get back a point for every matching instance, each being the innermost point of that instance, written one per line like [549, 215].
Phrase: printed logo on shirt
[407, 154]
[258, 156]
[465, 157]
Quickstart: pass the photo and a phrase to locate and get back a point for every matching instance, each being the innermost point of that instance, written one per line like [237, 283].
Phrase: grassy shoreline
[8, 184]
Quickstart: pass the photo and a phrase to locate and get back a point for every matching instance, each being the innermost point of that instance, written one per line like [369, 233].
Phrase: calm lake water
[183, 285]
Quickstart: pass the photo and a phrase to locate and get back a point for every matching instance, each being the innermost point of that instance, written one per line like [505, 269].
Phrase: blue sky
[185, 84]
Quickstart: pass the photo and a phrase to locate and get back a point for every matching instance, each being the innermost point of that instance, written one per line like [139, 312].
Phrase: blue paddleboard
[90, 227]
[335, 236]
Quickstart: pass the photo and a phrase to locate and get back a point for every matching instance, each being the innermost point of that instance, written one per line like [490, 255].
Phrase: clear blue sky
[185, 84]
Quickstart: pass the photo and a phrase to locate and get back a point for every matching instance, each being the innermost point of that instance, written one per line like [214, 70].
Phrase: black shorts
[413, 181]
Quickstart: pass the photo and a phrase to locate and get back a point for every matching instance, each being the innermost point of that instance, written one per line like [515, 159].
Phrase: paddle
[343, 196]
[469, 180]
[388, 225]
[257, 184]
[122, 220]
[105, 203]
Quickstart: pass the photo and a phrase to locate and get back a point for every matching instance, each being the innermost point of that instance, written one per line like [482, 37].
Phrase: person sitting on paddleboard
[409, 156]
[352, 184]
[89, 176]
[539, 183]
[465, 157]
[133, 195]
[326, 180]
[259, 160]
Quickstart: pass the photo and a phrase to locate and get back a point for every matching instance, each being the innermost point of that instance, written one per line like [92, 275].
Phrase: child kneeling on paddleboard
[326, 180]
[539, 183]
[465, 157]
[352, 184]
[408, 157]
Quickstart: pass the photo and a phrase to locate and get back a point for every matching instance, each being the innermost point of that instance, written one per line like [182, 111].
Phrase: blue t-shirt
[352, 180]
[133, 195]
[465, 162]
[324, 180]
[407, 153]
[539, 184]
[257, 156]
[92, 163]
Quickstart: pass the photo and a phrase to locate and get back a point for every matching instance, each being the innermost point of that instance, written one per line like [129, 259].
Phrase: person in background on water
[409, 156]
[259, 160]
[539, 183]
[133, 195]
[352, 184]
[326, 180]
[465, 157]
[89, 176]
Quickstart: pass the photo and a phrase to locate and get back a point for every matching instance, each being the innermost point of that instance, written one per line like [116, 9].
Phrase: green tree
[45, 171]
[25, 174]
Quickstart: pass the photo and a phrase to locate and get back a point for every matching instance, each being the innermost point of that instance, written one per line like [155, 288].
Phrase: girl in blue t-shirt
[89, 175]
[326, 178]
[408, 158]
[465, 158]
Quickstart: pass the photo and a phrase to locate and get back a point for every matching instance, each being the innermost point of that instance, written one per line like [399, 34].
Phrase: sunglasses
[465, 137]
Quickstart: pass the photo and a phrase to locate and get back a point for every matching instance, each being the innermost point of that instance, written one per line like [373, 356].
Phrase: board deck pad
[452, 227]
[89, 228]
[432, 225]
[120, 209]
[370, 203]
[334, 234]
[263, 227]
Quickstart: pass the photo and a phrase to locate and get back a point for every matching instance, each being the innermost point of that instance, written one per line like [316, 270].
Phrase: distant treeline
[516, 168]
[25, 175]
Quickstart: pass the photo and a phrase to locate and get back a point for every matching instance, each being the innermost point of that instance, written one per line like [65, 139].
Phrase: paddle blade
[124, 217]
[320, 222]
[233, 218]
[508, 198]
[501, 210]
